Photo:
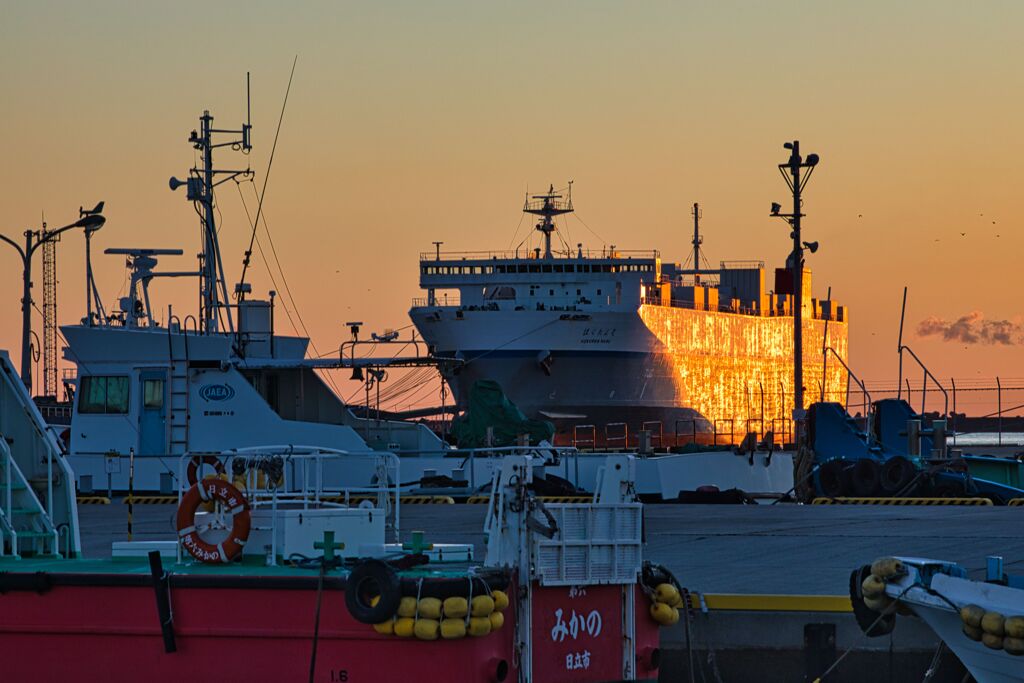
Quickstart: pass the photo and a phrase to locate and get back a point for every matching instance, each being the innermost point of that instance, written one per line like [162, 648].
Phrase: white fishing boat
[982, 622]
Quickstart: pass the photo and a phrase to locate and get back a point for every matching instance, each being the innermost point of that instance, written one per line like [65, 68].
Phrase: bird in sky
[963, 234]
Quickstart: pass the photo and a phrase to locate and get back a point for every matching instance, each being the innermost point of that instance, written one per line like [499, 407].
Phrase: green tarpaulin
[489, 407]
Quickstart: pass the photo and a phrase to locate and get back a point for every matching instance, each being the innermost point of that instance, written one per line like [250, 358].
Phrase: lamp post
[88, 219]
[796, 179]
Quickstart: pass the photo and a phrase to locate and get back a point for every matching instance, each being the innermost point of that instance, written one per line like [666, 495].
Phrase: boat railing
[477, 463]
[299, 477]
[578, 441]
[656, 429]
[621, 434]
[509, 254]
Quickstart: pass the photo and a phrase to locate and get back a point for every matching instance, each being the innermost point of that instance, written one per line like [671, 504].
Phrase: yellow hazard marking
[151, 500]
[901, 501]
[771, 603]
[93, 500]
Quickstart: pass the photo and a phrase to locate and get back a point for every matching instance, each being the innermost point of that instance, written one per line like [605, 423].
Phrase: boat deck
[251, 568]
[780, 549]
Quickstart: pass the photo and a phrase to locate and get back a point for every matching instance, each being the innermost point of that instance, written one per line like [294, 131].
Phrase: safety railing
[446, 257]
[577, 441]
[657, 431]
[623, 437]
[927, 375]
[295, 477]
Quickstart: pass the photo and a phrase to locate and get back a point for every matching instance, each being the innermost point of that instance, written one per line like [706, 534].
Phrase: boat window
[522, 268]
[558, 268]
[570, 269]
[103, 395]
[503, 293]
[534, 269]
[153, 393]
[551, 292]
[599, 292]
[546, 268]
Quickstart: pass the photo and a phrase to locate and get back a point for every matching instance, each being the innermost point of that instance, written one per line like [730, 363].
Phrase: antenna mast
[200, 185]
[547, 206]
[697, 241]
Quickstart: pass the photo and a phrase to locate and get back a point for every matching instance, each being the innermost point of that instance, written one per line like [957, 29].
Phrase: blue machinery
[898, 453]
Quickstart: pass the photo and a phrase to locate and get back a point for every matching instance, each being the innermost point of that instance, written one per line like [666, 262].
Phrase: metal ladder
[22, 516]
[179, 398]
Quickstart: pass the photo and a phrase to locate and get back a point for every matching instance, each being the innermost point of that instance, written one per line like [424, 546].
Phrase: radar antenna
[548, 206]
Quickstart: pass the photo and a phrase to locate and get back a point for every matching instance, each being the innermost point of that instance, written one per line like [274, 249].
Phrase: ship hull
[713, 376]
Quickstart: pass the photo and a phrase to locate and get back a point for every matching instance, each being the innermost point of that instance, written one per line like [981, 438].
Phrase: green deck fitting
[328, 546]
[417, 545]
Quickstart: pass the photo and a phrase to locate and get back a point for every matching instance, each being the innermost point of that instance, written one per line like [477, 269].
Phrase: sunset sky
[410, 122]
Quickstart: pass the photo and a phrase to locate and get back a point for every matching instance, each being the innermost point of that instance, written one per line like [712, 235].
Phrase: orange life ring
[237, 507]
[198, 461]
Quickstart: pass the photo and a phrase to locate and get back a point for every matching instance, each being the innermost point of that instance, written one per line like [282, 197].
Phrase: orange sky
[413, 122]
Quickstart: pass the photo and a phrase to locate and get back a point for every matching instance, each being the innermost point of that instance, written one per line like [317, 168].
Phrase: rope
[316, 622]
[884, 613]
[934, 666]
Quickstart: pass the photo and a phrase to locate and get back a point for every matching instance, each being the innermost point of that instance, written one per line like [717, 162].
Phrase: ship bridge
[512, 281]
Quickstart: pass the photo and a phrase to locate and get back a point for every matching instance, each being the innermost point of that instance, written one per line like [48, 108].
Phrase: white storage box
[298, 530]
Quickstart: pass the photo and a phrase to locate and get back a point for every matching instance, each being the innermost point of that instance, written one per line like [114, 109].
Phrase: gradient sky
[410, 122]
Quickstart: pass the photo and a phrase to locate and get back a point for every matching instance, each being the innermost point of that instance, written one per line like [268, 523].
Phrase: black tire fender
[365, 582]
[866, 477]
[897, 473]
[870, 622]
[832, 478]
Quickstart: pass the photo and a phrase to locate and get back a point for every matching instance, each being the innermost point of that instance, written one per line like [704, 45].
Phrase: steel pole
[798, 299]
[26, 313]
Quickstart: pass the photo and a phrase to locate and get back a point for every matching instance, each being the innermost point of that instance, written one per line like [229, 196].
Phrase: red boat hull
[78, 630]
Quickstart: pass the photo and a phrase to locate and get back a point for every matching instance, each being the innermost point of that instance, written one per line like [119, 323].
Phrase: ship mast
[548, 206]
[200, 185]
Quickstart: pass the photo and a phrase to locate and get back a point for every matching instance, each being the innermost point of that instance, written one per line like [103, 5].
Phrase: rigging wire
[266, 177]
[284, 301]
[594, 232]
[266, 263]
[515, 234]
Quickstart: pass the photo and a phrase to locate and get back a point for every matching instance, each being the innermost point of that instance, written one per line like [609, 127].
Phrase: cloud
[973, 328]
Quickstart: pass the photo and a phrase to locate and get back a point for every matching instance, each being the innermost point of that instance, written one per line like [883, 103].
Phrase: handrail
[850, 373]
[927, 374]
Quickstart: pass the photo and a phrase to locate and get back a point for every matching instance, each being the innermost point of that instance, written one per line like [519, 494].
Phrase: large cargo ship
[606, 344]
